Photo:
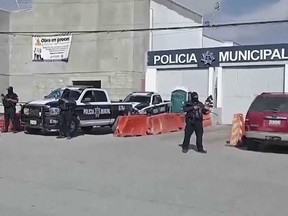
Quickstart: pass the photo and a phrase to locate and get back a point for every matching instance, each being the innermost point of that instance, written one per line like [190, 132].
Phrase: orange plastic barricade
[155, 124]
[171, 123]
[207, 120]
[237, 131]
[133, 125]
[165, 123]
[181, 121]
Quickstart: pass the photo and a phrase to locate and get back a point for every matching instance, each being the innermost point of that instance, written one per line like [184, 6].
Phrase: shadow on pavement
[266, 148]
[95, 131]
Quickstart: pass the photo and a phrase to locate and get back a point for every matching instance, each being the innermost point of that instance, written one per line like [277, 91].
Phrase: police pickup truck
[94, 108]
[147, 103]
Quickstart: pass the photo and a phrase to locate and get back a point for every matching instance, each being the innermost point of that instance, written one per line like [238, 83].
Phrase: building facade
[234, 75]
[114, 61]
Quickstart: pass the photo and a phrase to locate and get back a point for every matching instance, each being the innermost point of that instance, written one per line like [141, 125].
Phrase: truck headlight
[26, 111]
[54, 111]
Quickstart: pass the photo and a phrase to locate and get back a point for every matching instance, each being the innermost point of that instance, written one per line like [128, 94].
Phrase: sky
[230, 11]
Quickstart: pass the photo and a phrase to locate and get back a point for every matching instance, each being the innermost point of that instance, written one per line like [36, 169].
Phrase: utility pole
[216, 9]
[17, 3]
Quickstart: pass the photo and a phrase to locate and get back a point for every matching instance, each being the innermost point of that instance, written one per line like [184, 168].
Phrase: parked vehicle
[94, 108]
[147, 103]
[267, 121]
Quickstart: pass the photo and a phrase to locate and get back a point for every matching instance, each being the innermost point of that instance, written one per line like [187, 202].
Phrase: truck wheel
[74, 125]
[32, 130]
[115, 124]
[87, 129]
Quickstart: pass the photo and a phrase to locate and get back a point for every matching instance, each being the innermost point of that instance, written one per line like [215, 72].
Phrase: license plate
[275, 122]
[273, 138]
[33, 122]
[53, 121]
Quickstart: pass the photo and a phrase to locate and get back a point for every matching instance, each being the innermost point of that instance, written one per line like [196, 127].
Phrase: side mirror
[45, 97]
[120, 100]
[86, 100]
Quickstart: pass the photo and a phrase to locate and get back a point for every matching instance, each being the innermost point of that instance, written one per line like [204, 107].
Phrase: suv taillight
[247, 127]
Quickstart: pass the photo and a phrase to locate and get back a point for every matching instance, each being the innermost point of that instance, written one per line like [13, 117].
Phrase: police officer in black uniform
[67, 107]
[194, 122]
[9, 102]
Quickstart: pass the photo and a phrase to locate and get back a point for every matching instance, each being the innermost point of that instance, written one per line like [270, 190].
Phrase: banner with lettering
[51, 48]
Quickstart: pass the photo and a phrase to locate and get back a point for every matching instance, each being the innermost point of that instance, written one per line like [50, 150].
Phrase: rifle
[5, 101]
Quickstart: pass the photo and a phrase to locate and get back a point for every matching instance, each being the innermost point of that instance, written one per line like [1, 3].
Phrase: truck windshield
[138, 99]
[58, 93]
[278, 104]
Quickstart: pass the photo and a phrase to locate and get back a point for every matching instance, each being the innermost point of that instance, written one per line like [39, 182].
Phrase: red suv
[267, 120]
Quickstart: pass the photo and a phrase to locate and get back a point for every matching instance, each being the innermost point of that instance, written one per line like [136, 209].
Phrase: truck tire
[87, 129]
[74, 126]
[32, 130]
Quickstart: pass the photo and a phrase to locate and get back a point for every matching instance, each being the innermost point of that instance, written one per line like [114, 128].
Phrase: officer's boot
[60, 136]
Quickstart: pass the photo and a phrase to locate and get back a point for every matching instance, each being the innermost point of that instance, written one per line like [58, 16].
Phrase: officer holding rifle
[194, 122]
[9, 102]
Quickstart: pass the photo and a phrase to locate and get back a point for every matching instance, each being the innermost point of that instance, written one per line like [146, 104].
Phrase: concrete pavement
[103, 175]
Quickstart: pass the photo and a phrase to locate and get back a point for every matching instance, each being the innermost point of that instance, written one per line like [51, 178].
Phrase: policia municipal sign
[212, 57]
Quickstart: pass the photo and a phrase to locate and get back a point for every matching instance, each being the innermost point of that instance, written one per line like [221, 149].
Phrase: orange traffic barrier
[155, 125]
[237, 131]
[170, 123]
[133, 125]
[165, 123]
[141, 125]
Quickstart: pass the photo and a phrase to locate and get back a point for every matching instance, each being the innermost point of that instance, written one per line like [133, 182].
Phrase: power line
[31, 33]
[77, 2]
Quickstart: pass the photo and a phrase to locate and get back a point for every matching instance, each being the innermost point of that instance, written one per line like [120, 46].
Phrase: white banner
[51, 48]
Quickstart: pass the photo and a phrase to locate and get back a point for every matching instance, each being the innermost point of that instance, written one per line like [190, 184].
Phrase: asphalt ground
[98, 174]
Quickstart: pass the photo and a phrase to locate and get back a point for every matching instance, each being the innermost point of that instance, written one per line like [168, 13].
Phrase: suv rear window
[262, 103]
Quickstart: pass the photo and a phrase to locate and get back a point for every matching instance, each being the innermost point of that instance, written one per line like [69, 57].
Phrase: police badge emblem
[97, 112]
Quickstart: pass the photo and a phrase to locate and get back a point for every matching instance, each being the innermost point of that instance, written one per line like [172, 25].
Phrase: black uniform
[194, 122]
[10, 109]
[67, 107]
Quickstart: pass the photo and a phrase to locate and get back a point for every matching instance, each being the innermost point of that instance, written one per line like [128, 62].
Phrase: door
[94, 109]
[178, 99]
[242, 84]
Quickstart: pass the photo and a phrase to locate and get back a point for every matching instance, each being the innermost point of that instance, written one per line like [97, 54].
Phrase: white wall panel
[193, 79]
[242, 84]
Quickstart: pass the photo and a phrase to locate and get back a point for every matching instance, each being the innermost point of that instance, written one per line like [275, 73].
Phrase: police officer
[9, 102]
[67, 107]
[194, 122]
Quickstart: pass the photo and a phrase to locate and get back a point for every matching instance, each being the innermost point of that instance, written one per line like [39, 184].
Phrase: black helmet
[66, 93]
[194, 96]
[10, 89]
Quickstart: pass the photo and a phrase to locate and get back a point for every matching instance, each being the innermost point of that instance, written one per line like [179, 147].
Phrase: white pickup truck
[147, 103]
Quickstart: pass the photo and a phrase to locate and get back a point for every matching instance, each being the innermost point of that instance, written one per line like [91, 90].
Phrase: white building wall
[118, 60]
[211, 42]
[167, 14]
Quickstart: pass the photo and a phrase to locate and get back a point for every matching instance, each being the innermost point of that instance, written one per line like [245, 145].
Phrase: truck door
[94, 109]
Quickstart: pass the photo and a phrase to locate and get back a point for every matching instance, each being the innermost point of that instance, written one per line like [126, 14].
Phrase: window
[88, 97]
[137, 99]
[57, 93]
[93, 83]
[156, 99]
[278, 104]
[100, 96]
